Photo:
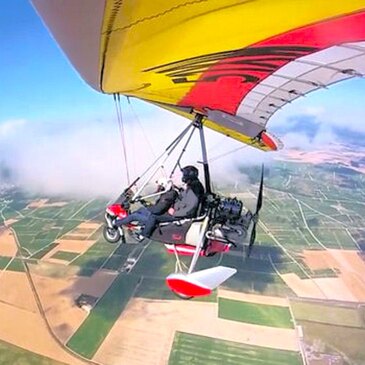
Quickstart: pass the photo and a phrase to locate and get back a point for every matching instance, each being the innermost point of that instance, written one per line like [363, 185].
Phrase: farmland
[309, 226]
[10, 354]
[94, 329]
[331, 329]
[261, 314]
[198, 350]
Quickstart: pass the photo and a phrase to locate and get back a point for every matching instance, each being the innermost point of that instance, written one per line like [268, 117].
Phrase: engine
[228, 210]
[231, 220]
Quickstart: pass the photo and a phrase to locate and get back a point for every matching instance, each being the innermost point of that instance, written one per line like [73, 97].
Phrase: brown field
[55, 204]
[76, 246]
[36, 204]
[22, 297]
[58, 299]
[305, 288]
[67, 243]
[39, 203]
[8, 245]
[348, 286]
[334, 154]
[22, 325]
[147, 328]
[89, 225]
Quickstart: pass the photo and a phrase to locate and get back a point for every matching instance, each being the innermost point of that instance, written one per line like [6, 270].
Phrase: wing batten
[240, 63]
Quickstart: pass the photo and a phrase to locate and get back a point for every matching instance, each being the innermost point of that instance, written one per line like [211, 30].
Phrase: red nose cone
[186, 287]
[269, 141]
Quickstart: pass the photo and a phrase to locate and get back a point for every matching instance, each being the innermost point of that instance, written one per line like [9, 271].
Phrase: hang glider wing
[238, 61]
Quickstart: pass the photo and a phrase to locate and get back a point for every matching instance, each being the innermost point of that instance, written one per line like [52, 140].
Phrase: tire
[182, 296]
[111, 235]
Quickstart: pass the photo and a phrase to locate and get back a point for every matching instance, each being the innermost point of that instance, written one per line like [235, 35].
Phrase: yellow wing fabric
[239, 61]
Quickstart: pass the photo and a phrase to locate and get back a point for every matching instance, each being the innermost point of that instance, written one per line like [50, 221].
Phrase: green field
[15, 265]
[94, 257]
[261, 314]
[65, 255]
[13, 355]
[92, 332]
[330, 313]
[119, 256]
[35, 234]
[200, 350]
[43, 252]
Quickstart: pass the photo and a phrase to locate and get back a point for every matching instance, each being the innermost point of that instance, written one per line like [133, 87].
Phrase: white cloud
[85, 158]
[11, 127]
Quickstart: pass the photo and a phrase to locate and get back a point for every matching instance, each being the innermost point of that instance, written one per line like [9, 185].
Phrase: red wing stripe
[224, 85]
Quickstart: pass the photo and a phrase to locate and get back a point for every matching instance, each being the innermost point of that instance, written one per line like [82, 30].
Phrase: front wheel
[182, 296]
[111, 235]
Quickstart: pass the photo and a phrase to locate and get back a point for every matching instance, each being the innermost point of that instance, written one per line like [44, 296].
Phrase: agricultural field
[10, 354]
[87, 339]
[336, 313]
[261, 314]
[305, 208]
[199, 350]
[331, 329]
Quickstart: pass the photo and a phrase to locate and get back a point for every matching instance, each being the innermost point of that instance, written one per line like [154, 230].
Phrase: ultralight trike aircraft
[226, 64]
[220, 224]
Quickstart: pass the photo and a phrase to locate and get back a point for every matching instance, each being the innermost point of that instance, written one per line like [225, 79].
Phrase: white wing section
[213, 277]
[200, 282]
[301, 76]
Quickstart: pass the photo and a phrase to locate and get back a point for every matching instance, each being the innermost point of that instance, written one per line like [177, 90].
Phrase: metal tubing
[199, 124]
[165, 154]
[199, 246]
[182, 152]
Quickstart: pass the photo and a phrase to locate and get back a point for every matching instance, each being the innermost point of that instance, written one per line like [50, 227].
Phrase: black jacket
[188, 201]
[164, 202]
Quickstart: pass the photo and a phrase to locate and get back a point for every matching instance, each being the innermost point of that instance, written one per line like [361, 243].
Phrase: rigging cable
[145, 135]
[141, 126]
[228, 153]
[118, 108]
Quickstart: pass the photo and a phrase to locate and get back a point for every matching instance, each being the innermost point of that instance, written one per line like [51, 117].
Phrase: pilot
[161, 206]
[186, 204]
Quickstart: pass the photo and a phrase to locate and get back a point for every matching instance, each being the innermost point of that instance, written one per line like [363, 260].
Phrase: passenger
[186, 204]
[161, 206]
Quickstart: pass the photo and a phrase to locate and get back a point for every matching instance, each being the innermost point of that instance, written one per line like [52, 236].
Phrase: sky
[61, 137]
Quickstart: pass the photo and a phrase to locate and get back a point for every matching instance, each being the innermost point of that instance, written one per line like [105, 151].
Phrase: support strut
[198, 123]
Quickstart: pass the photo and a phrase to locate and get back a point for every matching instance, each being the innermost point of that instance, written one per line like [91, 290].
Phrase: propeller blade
[261, 188]
[258, 207]
[252, 241]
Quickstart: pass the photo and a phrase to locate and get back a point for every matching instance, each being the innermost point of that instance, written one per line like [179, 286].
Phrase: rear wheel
[182, 296]
[111, 235]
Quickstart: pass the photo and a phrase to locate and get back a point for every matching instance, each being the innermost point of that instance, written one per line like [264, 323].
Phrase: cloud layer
[85, 159]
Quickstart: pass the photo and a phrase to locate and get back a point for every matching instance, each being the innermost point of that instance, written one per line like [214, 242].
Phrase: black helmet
[189, 173]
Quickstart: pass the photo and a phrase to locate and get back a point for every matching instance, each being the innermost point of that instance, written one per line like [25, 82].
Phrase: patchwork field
[309, 244]
[147, 328]
[192, 349]
[87, 339]
[331, 330]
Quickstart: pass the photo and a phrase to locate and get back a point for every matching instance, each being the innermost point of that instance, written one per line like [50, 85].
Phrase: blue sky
[38, 82]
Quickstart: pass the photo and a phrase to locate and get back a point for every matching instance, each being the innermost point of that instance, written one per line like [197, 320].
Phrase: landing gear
[111, 235]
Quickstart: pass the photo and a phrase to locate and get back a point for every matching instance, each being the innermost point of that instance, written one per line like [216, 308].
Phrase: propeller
[255, 217]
